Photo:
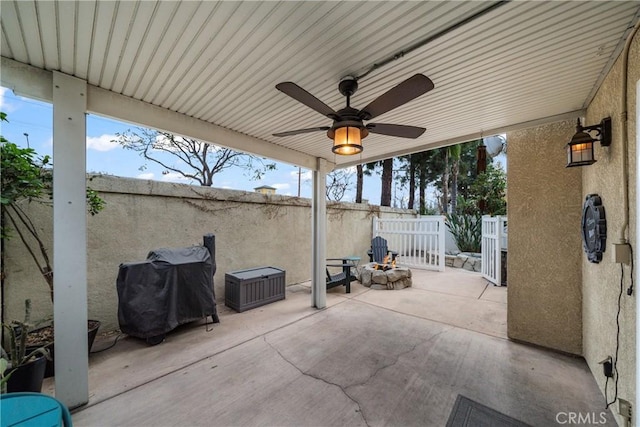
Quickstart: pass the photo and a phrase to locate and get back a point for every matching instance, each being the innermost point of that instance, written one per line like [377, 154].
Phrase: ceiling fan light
[347, 141]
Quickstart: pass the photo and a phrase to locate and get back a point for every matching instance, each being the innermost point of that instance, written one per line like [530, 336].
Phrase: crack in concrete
[369, 378]
[397, 359]
[360, 411]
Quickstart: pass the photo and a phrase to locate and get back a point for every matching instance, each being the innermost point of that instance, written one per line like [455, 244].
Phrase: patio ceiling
[217, 63]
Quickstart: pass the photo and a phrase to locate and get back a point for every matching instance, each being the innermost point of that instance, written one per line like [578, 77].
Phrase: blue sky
[35, 118]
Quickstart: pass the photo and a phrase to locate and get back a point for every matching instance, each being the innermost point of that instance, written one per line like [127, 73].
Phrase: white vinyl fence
[418, 241]
[494, 239]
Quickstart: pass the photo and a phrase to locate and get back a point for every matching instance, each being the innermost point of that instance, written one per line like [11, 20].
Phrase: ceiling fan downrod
[347, 87]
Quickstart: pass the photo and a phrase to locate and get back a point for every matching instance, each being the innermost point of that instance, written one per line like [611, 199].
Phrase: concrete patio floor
[371, 358]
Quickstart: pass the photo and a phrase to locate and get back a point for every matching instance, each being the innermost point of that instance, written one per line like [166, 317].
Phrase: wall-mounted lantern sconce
[580, 148]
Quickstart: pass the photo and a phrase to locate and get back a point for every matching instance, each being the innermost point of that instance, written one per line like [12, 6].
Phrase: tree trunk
[387, 180]
[455, 170]
[423, 185]
[481, 167]
[412, 182]
[445, 183]
[456, 153]
[359, 182]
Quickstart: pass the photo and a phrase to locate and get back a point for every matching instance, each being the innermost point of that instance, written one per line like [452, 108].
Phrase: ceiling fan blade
[299, 131]
[395, 130]
[301, 95]
[406, 91]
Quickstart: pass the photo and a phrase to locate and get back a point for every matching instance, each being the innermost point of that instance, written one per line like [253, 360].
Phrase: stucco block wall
[251, 230]
[557, 298]
[544, 299]
[601, 282]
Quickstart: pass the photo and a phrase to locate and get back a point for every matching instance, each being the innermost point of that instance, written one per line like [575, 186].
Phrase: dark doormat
[469, 413]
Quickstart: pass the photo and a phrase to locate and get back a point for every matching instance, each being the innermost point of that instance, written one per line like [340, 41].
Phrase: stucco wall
[601, 282]
[251, 230]
[545, 199]
[556, 297]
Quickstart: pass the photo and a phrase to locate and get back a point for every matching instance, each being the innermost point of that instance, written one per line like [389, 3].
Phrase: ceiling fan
[348, 127]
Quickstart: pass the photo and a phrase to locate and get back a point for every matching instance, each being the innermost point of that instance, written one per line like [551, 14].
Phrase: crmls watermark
[581, 418]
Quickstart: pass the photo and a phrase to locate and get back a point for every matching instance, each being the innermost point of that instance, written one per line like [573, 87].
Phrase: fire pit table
[385, 276]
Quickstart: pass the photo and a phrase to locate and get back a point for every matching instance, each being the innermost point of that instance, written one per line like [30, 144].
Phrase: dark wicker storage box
[247, 289]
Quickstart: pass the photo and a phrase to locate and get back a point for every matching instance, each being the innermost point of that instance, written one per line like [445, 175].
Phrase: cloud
[102, 142]
[146, 175]
[163, 142]
[3, 103]
[175, 177]
[284, 186]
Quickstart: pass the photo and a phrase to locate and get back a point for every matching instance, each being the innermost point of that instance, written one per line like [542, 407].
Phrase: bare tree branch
[191, 158]
[338, 183]
[46, 270]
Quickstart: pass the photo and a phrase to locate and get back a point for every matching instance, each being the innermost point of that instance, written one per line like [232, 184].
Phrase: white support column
[70, 240]
[319, 236]
[498, 251]
[442, 230]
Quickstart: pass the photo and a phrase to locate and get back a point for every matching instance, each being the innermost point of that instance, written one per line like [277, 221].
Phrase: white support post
[70, 240]
[319, 236]
[441, 243]
[498, 251]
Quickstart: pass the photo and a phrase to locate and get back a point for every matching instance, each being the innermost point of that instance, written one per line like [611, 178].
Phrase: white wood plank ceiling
[220, 61]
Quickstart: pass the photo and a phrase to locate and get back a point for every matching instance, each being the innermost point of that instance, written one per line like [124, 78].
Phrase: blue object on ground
[32, 410]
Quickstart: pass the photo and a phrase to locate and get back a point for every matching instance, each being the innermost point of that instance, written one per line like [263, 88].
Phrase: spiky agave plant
[466, 231]
[17, 332]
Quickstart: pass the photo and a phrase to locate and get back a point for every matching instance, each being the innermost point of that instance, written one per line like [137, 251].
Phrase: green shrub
[28, 178]
[466, 230]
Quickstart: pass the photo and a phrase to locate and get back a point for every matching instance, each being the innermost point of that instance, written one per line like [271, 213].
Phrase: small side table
[353, 261]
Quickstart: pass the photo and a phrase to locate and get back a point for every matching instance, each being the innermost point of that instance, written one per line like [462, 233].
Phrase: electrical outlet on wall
[624, 409]
[607, 365]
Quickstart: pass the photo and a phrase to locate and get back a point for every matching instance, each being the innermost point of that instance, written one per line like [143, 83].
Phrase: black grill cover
[172, 287]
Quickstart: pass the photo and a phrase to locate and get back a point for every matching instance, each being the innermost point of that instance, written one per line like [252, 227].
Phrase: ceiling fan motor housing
[348, 86]
[348, 117]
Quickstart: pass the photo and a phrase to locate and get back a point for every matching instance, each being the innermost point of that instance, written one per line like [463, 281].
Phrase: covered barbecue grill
[171, 287]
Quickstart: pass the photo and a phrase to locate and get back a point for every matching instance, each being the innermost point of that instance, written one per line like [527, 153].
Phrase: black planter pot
[28, 377]
[50, 365]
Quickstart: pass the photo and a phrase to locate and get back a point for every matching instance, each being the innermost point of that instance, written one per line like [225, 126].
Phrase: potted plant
[22, 369]
[27, 178]
[42, 337]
